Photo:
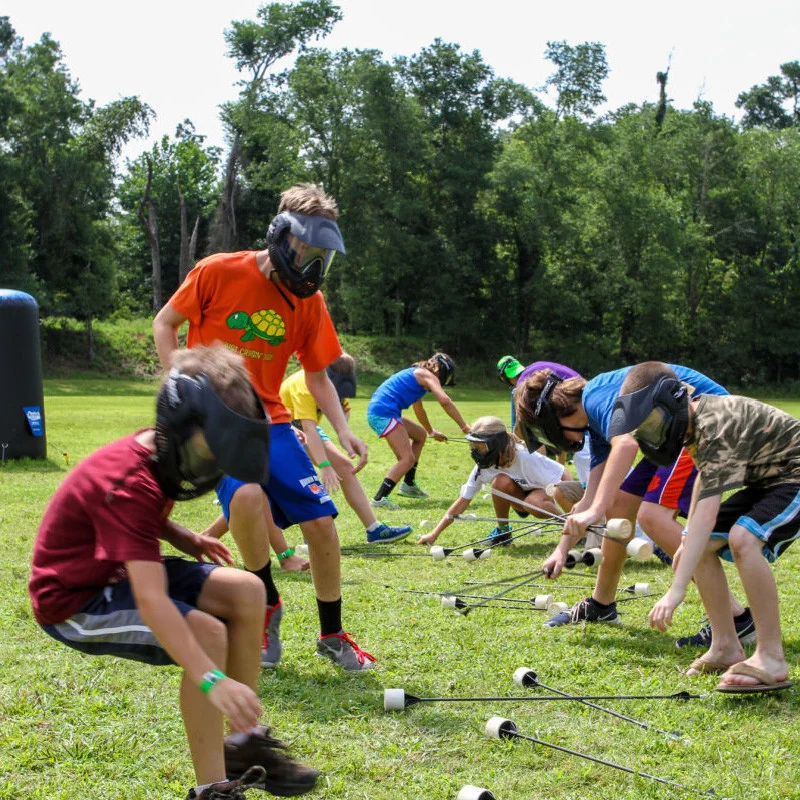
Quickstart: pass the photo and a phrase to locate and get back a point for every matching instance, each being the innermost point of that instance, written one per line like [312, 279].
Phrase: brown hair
[432, 364]
[309, 199]
[644, 374]
[565, 398]
[344, 365]
[489, 425]
[225, 371]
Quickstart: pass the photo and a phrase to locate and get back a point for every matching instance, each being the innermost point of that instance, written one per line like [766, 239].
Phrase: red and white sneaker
[344, 652]
[272, 646]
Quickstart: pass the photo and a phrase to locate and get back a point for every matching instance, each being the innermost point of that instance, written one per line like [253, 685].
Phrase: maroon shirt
[109, 510]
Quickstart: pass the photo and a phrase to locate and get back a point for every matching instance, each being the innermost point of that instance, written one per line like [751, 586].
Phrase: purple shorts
[670, 487]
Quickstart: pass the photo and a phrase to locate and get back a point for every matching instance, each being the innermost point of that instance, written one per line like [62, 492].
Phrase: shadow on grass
[28, 465]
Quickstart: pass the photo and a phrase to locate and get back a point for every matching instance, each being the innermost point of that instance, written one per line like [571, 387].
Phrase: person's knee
[343, 466]
[503, 483]
[247, 505]
[211, 634]
[320, 529]
[248, 595]
[406, 461]
[660, 525]
[743, 544]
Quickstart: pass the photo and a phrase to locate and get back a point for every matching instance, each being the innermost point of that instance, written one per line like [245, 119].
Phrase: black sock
[385, 488]
[265, 575]
[330, 616]
[603, 606]
[411, 475]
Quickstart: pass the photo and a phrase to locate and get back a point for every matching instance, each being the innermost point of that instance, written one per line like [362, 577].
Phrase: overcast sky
[172, 54]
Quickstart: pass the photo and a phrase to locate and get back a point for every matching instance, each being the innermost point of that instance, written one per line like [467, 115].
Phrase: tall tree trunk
[188, 243]
[150, 225]
[227, 234]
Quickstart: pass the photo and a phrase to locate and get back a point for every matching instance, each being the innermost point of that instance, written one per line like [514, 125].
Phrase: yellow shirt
[299, 400]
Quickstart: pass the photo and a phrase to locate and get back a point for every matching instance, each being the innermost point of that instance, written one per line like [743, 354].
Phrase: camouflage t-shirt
[739, 442]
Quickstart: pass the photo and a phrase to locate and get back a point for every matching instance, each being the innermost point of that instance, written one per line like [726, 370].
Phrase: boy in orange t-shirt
[266, 306]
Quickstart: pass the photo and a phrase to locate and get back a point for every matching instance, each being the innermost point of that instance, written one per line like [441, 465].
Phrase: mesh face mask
[546, 428]
[496, 444]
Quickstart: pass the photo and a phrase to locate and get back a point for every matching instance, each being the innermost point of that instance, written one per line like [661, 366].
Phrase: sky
[171, 53]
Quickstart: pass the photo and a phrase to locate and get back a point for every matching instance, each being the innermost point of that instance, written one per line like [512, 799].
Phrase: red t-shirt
[226, 298]
[108, 510]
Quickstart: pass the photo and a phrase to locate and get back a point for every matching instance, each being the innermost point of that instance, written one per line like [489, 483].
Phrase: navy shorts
[772, 515]
[109, 623]
[294, 490]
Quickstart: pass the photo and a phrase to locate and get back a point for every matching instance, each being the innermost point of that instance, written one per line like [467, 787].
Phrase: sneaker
[281, 775]
[386, 503]
[386, 533]
[662, 556]
[272, 647]
[585, 610]
[252, 778]
[411, 490]
[499, 536]
[344, 652]
[745, 630]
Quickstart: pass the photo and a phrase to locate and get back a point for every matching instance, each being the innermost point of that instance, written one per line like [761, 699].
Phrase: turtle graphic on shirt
[267, 324]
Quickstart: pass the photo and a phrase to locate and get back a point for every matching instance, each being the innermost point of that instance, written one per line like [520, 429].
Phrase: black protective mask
[239, 445]
[546, 428]
[496, 443]
[447, 369]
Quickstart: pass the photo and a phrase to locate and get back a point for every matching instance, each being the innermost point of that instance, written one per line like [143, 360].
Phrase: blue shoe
[499, 536]
[387, 533]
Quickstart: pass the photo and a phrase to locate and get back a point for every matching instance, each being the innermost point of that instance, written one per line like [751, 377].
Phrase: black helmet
[237, 445]
[301, 249]
[447, 369]
[657, 416]
[495, 443]
[545, 428]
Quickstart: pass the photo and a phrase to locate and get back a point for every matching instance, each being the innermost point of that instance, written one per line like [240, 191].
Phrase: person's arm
[615, 468]
[316, 449]
[699, 528]
[199, 546]
[239, 703]
[218, 528]
[431, 383]
[165, 333]
[458, 507]
[323, 391]
[422, 415]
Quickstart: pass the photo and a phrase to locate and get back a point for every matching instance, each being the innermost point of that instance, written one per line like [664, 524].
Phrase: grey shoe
[411, 490]
[386, 503]
[272, 648]
[585, 610]
[344, 652]
[253, 778]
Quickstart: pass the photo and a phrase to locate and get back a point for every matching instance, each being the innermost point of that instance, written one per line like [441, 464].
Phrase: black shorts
[772, 515]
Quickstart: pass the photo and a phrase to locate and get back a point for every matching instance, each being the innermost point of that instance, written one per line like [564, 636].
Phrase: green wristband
[211, 679]
[324, 464]
[286, 554]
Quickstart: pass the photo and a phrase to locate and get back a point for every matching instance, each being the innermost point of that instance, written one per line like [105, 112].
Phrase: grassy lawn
[80, 727]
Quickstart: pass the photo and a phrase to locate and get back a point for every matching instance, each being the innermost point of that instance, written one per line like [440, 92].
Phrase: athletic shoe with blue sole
[585, 610]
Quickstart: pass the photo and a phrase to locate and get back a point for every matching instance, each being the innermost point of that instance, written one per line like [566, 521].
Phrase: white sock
[375, 525]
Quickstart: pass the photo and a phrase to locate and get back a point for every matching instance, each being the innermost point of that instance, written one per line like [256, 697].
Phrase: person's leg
[400, 443]
[278, 543]
[418, 436]
[502, 507]
[247, 519]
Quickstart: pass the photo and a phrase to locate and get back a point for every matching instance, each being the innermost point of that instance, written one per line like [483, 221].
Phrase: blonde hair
[565, 398]
[309, 199]
[226, 373]
[486, 426]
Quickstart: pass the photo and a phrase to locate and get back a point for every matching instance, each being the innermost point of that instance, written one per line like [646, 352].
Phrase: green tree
[776, 103]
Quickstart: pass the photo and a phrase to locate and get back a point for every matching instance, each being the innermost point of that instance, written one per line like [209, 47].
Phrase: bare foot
[295, 564]
[715, 661]
[756, 672]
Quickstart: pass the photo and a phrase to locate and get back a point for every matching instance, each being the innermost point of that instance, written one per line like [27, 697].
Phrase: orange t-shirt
[227, 299]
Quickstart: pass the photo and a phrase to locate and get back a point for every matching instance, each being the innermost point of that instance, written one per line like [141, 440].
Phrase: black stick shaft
[612, 764]
[507, 591]
[558, 697]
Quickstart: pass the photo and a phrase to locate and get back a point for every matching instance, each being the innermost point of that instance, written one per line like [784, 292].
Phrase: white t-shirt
[529, 470]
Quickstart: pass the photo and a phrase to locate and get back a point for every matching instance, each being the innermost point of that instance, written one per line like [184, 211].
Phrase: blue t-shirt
[395, 394]
[600, 393]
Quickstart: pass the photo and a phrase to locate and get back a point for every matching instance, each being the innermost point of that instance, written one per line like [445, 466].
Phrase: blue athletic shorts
[294, 490]
[110, 625]
[383, 425]
[771, 515]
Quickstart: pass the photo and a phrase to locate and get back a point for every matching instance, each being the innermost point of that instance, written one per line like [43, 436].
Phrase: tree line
[478, 212]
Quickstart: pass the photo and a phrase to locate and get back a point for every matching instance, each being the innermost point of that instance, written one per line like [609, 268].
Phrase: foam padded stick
[542, 601]
[500, 728]
[450, 601]
[469, 516]
[573, 558]
[470, 792]
[639, 549]
[394, 699]
[474, 553]
[619, 528]
[425, 523]
[438, 553]
[638, 588]
[523, 676]
[557, 608]
[301, 549]
[593, 557]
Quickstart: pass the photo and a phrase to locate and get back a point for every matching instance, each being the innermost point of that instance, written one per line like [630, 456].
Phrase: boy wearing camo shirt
[737, 444]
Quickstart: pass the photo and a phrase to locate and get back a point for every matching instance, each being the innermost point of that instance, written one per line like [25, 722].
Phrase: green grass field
[80, 727]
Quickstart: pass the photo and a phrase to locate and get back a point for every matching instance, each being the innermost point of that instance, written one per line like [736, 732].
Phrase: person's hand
[661, 613]
[554, 565]
[330, 479]
[239, 703]
[355, 448]
[440, 437]
[301, 436]
[428, 538]
[211, 549]
[576, 524]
